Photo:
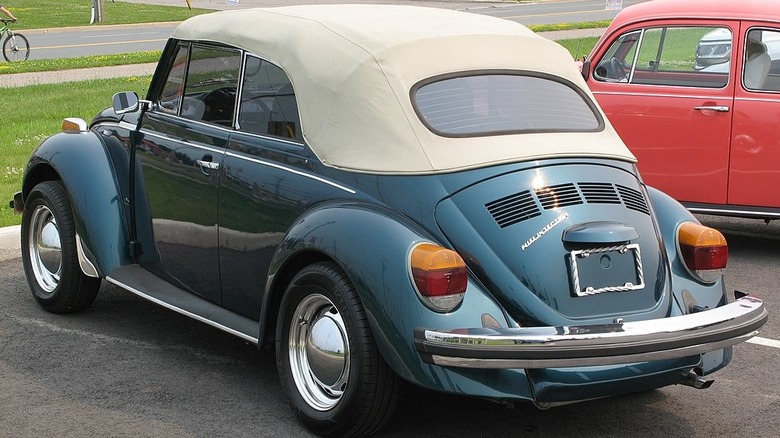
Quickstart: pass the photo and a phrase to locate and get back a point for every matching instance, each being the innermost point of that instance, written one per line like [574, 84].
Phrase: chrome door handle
[207, 164]
[718, 108]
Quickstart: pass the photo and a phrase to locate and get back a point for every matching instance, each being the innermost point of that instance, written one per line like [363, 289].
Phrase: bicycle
[15, 46]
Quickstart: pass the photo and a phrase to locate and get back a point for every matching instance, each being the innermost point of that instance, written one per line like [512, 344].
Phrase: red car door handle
[718, 108]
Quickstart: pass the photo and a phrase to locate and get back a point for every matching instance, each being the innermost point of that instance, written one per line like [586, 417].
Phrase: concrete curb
[10, 243]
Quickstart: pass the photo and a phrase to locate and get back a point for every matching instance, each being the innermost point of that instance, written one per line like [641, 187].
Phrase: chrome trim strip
[86, 265]
[296, 143]
[214, 149]
[232, 131]
[729, 212]
[682, 96]
[126, 125]
[588, 345]
[291, 170]
[227, 129]
[182, 311]
[772, 93]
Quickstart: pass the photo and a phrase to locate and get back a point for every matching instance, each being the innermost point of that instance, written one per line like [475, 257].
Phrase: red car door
[754, 174]
[671, 101]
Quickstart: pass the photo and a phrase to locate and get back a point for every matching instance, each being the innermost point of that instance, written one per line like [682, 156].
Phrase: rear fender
[372, 246]
[670, 214]
[82, 162]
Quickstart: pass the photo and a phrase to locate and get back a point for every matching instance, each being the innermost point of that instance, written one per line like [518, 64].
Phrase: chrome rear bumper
[589, 345]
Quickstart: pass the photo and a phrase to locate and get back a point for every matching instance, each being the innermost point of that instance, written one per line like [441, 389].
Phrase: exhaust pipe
[694, 378]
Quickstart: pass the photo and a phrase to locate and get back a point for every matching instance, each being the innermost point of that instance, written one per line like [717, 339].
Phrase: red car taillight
[704, 251]
[439, 275]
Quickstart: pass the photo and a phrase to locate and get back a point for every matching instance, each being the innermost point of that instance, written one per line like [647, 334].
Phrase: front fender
[372, 246]
[83, 163]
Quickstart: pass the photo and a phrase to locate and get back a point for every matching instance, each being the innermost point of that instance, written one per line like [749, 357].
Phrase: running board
[151, 287]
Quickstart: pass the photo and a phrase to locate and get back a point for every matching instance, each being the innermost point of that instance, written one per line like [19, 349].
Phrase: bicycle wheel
[16, 48]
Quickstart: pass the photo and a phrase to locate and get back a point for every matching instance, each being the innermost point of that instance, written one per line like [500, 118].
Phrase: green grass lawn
[579, 47]
[43, 14]
[30, 114]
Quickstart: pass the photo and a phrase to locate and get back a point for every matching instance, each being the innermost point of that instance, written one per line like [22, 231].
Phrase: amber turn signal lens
[704, 251]
[73, 124]
[439, 275]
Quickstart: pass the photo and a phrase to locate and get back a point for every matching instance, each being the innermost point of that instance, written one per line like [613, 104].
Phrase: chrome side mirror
[125, 102]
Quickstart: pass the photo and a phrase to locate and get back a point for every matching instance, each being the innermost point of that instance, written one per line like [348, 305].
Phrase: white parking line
[764, 341]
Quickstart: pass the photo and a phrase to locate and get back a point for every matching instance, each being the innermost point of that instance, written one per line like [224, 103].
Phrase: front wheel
[16, 48]
[329, 366]
[49, 253]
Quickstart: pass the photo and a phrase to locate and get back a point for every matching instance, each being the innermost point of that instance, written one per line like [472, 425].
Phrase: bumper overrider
[591, 345]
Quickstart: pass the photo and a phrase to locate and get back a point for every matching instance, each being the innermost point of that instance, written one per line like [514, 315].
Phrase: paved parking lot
[127, 367]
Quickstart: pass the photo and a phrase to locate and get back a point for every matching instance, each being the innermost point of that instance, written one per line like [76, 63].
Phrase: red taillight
[704, 251]
[439, 275]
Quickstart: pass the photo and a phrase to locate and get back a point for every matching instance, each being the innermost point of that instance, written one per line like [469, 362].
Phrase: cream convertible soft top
[352, 67]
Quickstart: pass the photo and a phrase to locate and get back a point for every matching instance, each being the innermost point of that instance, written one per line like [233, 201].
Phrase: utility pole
[97, 12]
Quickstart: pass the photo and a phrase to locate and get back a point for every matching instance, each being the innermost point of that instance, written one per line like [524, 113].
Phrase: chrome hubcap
[45, 249]
[319, 352]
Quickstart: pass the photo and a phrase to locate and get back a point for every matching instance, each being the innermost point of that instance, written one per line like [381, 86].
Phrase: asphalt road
[101, 40]
[128, 368]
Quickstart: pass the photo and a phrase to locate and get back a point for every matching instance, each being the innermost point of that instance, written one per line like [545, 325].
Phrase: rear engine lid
[561, 244]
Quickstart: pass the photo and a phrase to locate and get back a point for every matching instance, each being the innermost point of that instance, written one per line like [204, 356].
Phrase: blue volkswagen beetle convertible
[385, 193]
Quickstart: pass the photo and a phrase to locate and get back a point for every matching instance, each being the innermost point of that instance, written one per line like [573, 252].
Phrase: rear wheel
[49, 252]
[329, 366]
[16, 48]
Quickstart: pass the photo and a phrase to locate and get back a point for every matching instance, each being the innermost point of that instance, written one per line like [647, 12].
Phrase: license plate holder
[609, 269]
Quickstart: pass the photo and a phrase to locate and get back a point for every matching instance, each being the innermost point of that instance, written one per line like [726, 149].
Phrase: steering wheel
[617, 70]
[219, 105]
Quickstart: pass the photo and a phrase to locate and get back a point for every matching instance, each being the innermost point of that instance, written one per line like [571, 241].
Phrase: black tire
[350, 391]
[16, 48]
[49, 252]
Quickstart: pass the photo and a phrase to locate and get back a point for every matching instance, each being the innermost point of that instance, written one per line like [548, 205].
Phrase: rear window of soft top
[502, 103]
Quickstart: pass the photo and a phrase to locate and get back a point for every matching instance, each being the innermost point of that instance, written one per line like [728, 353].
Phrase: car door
[185, 137]
[754, 173]
[263, 183]
[671, 101]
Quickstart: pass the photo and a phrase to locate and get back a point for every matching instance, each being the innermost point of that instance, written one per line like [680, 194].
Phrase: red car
[693, 88]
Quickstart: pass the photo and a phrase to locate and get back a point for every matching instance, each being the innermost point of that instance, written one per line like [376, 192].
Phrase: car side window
[619, 59]
[267, 104]
[210, 87]
[691, 56]
[761, 68]
[170, 98]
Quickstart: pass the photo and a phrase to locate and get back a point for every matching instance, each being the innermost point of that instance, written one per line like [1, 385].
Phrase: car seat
[757, 66]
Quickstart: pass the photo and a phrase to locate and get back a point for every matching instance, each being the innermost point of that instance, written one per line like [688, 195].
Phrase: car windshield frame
[489, 103]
